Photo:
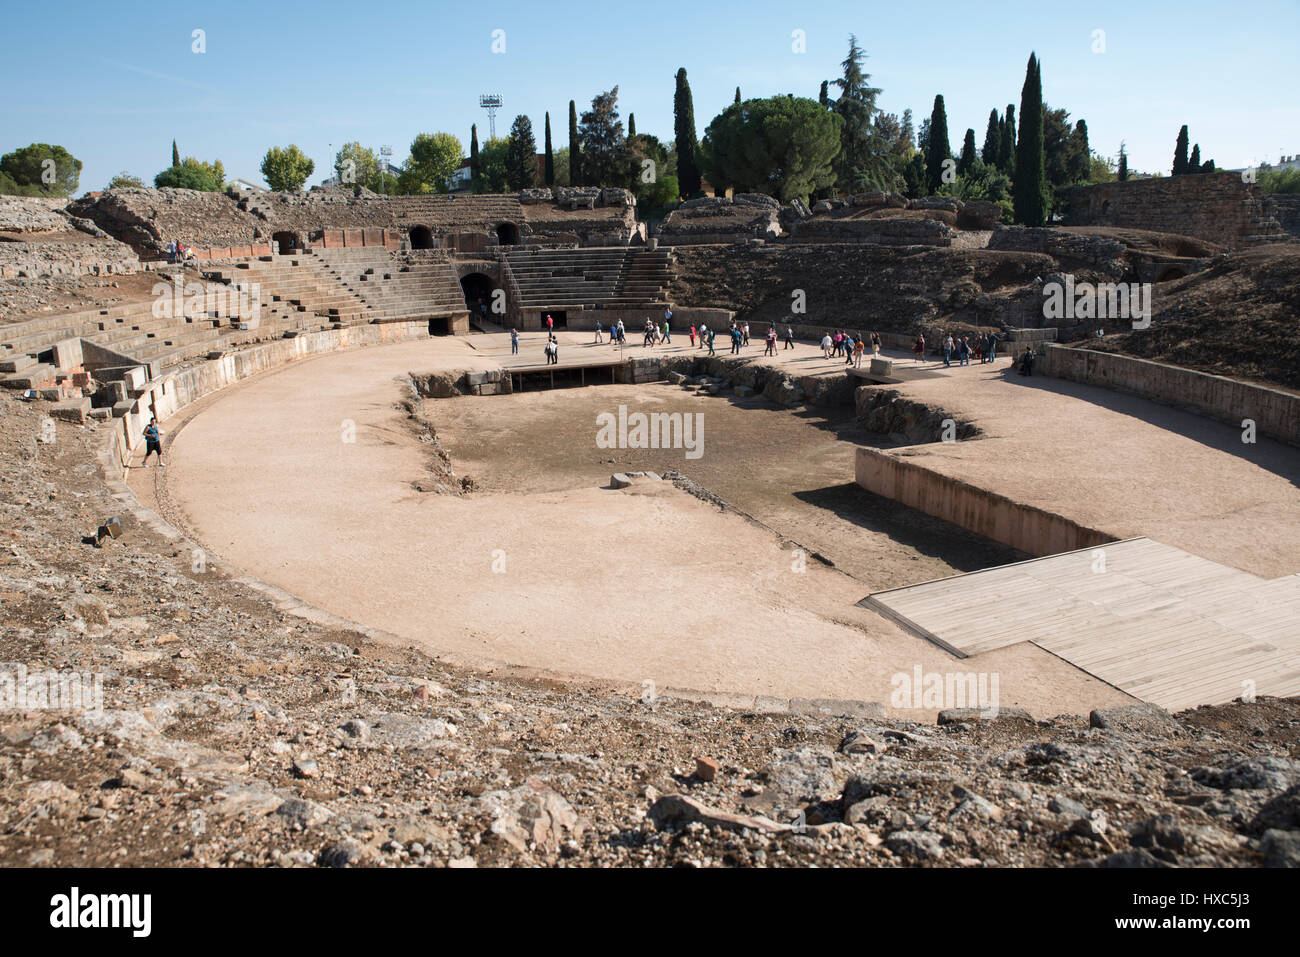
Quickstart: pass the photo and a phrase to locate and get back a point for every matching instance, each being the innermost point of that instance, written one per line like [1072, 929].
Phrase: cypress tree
[992, 140]
[474, 171]
[1122, 175]
[176, 155]
[1081, 155]
[824, 97]
[968, 154]
[550, 154]
[575, 153]
[1007, 151]
[1194, 164]
[1030, 192]
[1180, 153]
[688, 166]
[937, 149]
[737, 94]
[631, 126]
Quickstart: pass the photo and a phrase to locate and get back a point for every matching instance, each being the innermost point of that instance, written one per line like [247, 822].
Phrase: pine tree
[1122, 175]
[1007, 151]
[937, 147]
[864, 161]
[1030, 191]
[688, 163]
[1194, 164]
[475, 161]
[549, 171]
[1180, 153]
[968, 154]
[824, 97]
[992, 140]
[521, 155]
[604, 147]
[176, 155]
[575, 150]
[908, 134]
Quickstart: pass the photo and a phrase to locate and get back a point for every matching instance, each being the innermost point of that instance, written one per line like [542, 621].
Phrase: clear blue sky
[116, 82]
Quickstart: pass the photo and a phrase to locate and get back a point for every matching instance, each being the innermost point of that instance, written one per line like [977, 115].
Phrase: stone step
[17, 363]
[33, 377]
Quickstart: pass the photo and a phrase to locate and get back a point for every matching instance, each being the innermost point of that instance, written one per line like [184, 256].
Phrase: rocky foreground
[233, 733]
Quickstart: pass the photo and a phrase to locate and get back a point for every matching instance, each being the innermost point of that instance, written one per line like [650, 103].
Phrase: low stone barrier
[1276, 414]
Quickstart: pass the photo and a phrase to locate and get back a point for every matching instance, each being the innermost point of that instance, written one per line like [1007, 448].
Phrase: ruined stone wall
[1217, 207]
[1286, 209]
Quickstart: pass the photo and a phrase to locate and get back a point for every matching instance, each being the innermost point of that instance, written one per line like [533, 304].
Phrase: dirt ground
[544, 567]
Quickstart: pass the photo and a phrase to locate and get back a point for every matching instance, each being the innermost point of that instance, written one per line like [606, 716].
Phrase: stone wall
[1217, 207]
[1286, 209]
[1276, 413]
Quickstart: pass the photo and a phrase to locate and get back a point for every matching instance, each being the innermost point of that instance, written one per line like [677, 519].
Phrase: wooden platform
[1156, 622]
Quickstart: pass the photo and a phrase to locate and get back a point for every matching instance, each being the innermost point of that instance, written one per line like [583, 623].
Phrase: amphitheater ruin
[349, 433]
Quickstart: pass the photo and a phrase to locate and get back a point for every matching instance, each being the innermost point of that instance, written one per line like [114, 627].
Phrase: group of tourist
[984, 348]
[178, 252]
[850, 347]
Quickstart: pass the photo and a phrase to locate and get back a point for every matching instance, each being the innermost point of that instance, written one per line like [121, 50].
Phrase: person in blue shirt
[153, 443]
[514, 342]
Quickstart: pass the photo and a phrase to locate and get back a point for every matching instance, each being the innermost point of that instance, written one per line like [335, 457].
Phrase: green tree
[42, 170]
[688, 160]
[865, 160]
[475, 164]
[914, 176]
[176, 155]
[575, 148]
[562, 166]
[1194, 164]
[1180, 153]
[1058, 148]
[992, 140]
[824, 96]
[492, 159]
[434, 157]
[1080, 154]
[549, 169]
[1031, 196]
[187, 176]
[631, 126]
[521, 155]
[125, 180]
[937, 148]
[1122, 175]
[783, 146]
[356, 165]
[1007, 149]
[604, 148]
[286, 168]
[737, 100]
[968, 154]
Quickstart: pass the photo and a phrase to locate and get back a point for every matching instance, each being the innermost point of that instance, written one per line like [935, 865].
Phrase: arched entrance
[478, 289]
[507, 234]
[286, 241]
[421, 237]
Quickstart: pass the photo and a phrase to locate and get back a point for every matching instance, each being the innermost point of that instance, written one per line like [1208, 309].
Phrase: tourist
[736, 337]
[745, 333]
[622, 333]
[550, 323]
[994, 338]
[836, 342]
[514, 342]
[947, 351]
[963, 351]
[552, 350]
[692, 335]
[875, 344]
[171, 252]
[1027, 362]
[771, 341]
[704, 333]
[668, 315]
[153, 443]
[668, 339]
[712, 334]
[918, 348]
[599, 340]
[789, 338]
[859, 347]
[828, 345]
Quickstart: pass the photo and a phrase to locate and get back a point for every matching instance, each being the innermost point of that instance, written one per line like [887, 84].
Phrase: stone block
[71, 410]
[619, 480]
[881, 367]
[17, 363]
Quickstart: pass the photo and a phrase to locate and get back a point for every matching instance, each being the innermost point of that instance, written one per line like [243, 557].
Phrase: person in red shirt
[771, 341]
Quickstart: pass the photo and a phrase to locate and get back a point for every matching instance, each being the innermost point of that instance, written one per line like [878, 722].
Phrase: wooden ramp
[1154, 621]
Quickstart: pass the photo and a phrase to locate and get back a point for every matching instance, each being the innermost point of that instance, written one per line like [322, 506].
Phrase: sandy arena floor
[647, 584]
